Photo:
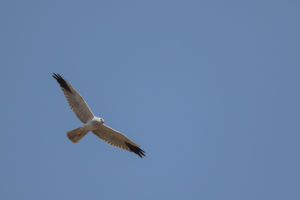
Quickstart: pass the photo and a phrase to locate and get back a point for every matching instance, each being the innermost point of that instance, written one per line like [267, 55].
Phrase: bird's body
[93, 123]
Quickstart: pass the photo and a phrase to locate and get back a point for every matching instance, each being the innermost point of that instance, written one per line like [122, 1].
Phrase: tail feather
[76, 134]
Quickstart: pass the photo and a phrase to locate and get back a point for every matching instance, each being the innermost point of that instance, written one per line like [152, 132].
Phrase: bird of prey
[93, 123]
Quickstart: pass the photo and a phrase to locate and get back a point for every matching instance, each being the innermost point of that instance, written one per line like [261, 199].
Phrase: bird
[91, 122]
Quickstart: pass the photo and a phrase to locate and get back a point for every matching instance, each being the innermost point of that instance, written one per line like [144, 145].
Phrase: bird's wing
[117, 139]
[76, 102]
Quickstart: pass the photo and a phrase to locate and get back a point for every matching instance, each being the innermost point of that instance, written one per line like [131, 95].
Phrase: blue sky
[209, 89]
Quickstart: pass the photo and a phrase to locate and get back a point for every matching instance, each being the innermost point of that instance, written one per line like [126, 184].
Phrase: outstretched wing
[76, 102]
[117, 139]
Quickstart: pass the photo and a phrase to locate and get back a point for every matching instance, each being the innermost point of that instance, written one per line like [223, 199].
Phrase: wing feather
[75, 101]
[117, 139]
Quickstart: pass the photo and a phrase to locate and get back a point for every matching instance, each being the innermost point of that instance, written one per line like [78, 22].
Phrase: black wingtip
[61, 82]
[135, 149]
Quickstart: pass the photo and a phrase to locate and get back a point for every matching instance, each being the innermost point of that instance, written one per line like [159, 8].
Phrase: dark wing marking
[136, 149]
[61, 82]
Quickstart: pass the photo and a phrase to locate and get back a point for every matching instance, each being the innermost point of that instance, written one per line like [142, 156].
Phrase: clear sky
[209, 89]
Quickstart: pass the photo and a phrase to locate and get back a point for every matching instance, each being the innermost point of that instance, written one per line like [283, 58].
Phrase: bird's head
[102, 120]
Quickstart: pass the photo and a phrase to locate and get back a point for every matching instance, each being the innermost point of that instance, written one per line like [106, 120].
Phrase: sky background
[209, 89]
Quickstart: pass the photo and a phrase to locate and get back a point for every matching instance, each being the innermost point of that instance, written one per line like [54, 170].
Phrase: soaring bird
[93, 123]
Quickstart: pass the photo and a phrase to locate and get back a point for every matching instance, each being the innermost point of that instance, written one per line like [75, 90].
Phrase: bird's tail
[76, 134]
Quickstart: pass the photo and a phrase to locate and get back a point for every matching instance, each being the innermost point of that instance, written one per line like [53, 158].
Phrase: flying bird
[93, 123]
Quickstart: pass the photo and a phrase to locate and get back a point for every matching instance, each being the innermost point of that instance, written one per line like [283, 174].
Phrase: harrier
[93, 123]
